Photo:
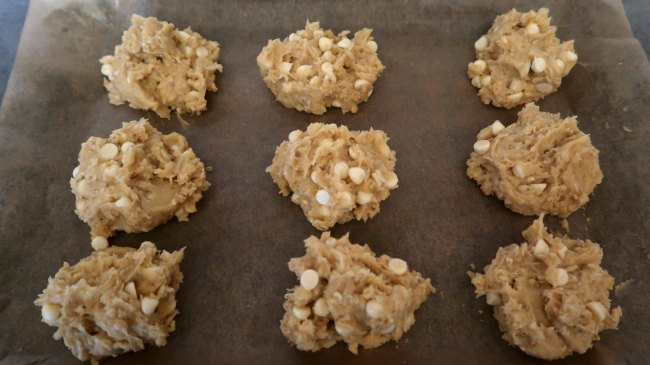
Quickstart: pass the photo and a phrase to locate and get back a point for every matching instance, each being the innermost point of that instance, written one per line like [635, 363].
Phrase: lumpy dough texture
[520, 59]
[136, 179]
[314, 69]
[356, 297]
[550, 295]
[333, 174]
[160, 68]
[114, 301]
[540, 164]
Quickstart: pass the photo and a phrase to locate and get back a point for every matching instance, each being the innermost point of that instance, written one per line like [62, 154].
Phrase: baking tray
[239, 242]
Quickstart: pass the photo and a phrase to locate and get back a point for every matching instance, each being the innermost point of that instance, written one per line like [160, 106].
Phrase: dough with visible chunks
[550, 294]
[114, 301]
[348, 294]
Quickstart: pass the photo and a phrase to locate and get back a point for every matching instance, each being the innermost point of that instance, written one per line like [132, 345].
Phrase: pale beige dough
[520, 59]
[136, 179]
[160, 68]
[550, 295]
[358, 298]
[540, 164]
[354, 171]
[314, 69]
[114, 301]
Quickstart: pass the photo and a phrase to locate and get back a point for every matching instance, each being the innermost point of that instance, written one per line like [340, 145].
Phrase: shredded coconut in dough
[550, 295]
[136, 179]
[333, 174]
[314, 69]
[347, 293]
[540, 164]
[114, 301]
[520, 59]
[160, 68]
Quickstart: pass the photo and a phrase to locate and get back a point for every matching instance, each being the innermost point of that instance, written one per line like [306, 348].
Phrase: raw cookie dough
[540, 164]
[520, 59]
[136, 179]
[114, 301]
[160, 68]
[347, 293]
[550, 295]
[333, 174]
[314, 69]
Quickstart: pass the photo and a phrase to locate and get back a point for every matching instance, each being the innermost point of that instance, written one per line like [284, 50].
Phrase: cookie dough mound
[333, 174]
[136, 179]
[346, 293]
[540, 164]
[549, 294]
[520, 59]
[314, 69]
[114, 301]
[160, 68]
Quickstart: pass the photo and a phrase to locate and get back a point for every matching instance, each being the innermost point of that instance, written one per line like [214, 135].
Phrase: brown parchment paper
[239, 242]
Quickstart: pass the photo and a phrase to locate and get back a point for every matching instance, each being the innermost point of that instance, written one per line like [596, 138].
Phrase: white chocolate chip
[130, 288]
[336, 104]
[314, 176]
[99, 243]
[397, 266]
[481, 44]
[361, 83]
[325, 44]
[364, 197]
[304, 70]
[486, 80]
[327, 67]
[357, 175]
[374, 309]
[480, 66]
[344, 43]
[538, 65]
[515, 85]
[354, 151]
[539, 186]
[285, 67]
[482, 146]
[532, 28]
[75, 172]
[315, 81]
[518, 171]
[391, 180]
[301, 294]
[321, 308]
[108, 151]
[50, 313]
[341, 169]
[189, 51]
[497, 127]
[343, 329]
[293, 136]
[492, 298]
[123, 202]
[329, 56]
[330, 242]
[322, 197]
[544, 88]
[559, 277]
[309, 279]
[107, 70]
[476, 81]
[570, 56]
[515, 97]
[372, 45]
[202, 52]
[541, 248]
[127, 146]
[559, 64]
[597, 309]
[183, 35]
[149, 305]
[301, 312]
